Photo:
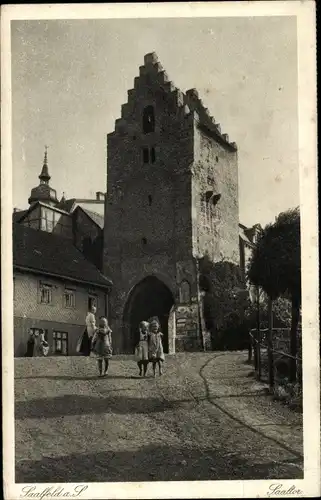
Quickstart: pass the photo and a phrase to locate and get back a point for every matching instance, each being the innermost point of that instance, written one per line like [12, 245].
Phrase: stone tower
[172, 196]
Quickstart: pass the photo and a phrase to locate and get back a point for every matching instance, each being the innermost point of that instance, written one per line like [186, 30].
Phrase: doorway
[150, 297]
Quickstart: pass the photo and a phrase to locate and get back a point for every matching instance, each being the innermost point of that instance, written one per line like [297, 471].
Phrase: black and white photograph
[160, 319]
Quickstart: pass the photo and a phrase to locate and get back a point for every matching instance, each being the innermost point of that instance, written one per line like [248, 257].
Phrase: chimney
[100, 196]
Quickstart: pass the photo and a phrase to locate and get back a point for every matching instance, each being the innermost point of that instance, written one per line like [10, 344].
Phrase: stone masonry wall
[216, 170]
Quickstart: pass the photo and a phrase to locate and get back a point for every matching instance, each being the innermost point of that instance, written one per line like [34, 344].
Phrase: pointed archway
[150, 297]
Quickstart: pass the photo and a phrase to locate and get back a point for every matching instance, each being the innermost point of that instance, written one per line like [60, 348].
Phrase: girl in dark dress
[30, 346]
[89, 332]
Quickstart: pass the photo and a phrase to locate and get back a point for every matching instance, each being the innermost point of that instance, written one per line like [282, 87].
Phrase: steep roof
[97, 218]
[21, 215]
[49, 254]
[18, 214]
[243, 235]
[247, 234]
[66, 205]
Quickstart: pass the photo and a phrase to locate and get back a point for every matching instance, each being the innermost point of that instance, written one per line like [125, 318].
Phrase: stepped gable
[45, 253]
[153, 72]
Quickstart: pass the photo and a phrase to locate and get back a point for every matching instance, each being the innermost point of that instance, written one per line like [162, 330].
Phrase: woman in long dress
[155, 345]
[89, 332]
[141, 350]
[30, 345]
[102, 345]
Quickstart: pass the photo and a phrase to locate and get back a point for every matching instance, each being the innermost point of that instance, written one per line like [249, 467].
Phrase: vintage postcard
[160, 331]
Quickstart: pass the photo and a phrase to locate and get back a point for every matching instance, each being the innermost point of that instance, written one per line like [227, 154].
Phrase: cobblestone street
[205, 419]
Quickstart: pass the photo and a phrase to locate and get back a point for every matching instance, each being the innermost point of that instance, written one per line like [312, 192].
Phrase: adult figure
[30, 345]
[85, 345]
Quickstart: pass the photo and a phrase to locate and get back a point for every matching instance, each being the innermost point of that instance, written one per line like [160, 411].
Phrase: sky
[70, 78]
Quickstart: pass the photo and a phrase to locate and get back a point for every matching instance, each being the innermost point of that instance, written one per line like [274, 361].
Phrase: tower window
[144, 241]
[150, 200]
[153, 155]
[148, 120]
[145, 155]
[216, 159]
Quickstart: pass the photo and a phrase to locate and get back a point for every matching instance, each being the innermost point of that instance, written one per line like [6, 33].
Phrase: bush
[281, 313]
[224, 306]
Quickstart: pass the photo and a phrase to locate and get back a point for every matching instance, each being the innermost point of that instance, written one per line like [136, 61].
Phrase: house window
[148, 120]
[69, 298]
[145, 155]
[45, 293]
[92, 301]
[36, 332]
[60, 343]
[153, 155]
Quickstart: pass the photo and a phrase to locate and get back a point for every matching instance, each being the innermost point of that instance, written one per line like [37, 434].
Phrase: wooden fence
[271, 352]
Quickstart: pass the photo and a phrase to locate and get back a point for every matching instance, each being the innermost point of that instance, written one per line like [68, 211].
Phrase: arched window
[185, 292]
[148, 120]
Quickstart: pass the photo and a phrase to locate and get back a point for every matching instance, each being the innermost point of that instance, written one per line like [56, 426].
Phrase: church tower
[172, 197]
[43, 192]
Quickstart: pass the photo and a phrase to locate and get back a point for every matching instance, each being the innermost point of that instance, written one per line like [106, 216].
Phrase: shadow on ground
[81, 405]
[152, 463]
[68, 405]
[69, 377]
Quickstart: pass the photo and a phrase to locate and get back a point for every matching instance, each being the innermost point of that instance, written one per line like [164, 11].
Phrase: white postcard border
[305, 13]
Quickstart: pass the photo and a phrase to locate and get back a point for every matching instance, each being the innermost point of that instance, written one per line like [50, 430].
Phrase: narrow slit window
[144, 241]
[145, 155]
[153, 155]
[148, 120]
[150, 200]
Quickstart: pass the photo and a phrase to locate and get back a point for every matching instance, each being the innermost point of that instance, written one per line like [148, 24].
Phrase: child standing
[141, 350]
[155, 345]
[102, 345]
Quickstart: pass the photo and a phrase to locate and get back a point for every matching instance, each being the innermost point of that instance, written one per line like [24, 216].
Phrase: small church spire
[44, 176]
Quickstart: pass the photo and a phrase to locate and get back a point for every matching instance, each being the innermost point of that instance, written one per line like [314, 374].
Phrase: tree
[275, 266]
